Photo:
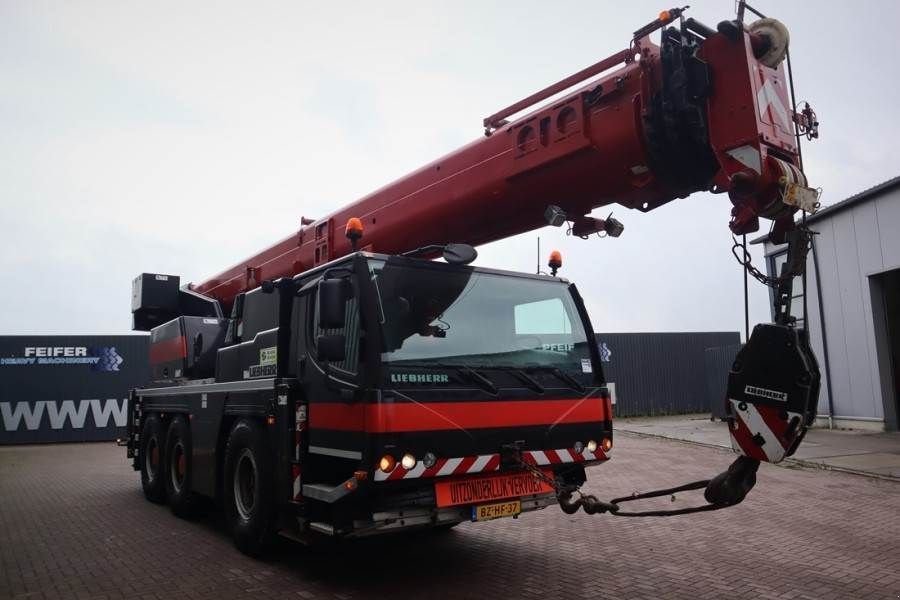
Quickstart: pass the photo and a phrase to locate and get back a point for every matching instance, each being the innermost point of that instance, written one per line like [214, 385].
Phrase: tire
[249, 496]
[178, 472]
[151, 457]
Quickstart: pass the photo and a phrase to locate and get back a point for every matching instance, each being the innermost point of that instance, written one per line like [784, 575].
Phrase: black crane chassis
[212, 409]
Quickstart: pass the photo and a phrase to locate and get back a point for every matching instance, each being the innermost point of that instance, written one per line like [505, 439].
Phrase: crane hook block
[773, 391]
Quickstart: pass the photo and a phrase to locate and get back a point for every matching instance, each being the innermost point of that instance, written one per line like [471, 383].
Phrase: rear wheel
[249, 488]
[178, 471]
[151, 457]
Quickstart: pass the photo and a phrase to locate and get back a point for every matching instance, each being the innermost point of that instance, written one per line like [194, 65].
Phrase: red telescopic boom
[705, 110]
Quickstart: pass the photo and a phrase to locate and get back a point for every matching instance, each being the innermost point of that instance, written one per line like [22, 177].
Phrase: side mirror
[331, 347]
[459, 254]
[333, 295]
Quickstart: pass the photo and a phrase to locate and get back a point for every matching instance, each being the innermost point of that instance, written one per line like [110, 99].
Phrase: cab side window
[351, 332]
[260, 313]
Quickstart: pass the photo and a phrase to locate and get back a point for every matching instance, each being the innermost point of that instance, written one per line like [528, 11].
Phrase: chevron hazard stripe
[443, 467]
[299, 430]
[760, 432]
[563, 455]
[486, 463]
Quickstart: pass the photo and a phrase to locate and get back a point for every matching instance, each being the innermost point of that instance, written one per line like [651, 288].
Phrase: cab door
[336, 415]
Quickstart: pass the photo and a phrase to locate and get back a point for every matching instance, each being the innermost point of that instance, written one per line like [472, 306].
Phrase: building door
[886, 313]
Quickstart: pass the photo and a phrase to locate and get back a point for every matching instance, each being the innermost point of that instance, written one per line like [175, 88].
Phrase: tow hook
[731, 487]
[511, 454]
[587, 502]
[723, 490]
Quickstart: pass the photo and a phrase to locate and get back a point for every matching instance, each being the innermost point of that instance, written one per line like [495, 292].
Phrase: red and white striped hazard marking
[485, 463]
[295, 473]
[443, 467]
[760, 432]
[300, 421]
[557, 457]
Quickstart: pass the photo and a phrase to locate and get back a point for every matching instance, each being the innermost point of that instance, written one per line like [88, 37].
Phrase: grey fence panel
[68, 388]
[718, 363]
[75, 388]
[659, 373]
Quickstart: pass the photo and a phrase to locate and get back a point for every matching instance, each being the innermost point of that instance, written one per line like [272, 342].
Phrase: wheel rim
[245, 484]
[151, 459]
[178, 466]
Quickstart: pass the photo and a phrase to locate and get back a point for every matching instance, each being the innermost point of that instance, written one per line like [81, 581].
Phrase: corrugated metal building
[667, 373]
[853, 280]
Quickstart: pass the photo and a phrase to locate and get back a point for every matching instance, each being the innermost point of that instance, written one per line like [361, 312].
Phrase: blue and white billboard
[67, 388]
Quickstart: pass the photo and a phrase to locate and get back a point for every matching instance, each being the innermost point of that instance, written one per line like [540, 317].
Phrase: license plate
[487, 488]
[486, 512]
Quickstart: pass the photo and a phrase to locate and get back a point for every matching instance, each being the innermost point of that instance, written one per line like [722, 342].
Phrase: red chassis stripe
[337, 415]
[168, 350]
[436, 416]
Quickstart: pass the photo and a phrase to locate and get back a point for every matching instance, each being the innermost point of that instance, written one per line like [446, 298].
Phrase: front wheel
[249, 488]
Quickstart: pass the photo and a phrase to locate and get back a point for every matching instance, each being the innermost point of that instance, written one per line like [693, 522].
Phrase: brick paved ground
[73, 524]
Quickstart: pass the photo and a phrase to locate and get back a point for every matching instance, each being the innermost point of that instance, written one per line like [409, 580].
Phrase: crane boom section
[661, 122]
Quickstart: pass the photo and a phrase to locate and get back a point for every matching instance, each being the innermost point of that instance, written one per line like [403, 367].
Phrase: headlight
[429, 460]
[408, 461]
[579, 447]
[606, 444]
[387, 463]
[591, 446]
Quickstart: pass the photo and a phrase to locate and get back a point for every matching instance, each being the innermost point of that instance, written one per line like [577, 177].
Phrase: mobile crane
[349, 385]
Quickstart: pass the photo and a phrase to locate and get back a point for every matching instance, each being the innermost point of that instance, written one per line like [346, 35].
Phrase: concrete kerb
[786, 463]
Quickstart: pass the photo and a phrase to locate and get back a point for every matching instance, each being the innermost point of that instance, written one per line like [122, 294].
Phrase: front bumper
[392, 520]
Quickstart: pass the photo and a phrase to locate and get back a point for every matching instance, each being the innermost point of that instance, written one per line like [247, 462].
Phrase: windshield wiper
[522, 376]
[480, 379]
[562, 376]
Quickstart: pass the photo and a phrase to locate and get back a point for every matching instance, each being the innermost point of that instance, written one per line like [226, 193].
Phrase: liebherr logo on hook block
[751, 390]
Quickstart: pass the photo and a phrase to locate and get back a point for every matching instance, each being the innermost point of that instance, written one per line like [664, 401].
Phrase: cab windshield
[435, 315]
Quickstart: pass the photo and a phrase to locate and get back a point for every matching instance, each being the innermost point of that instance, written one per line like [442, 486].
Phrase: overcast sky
[181, 137]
